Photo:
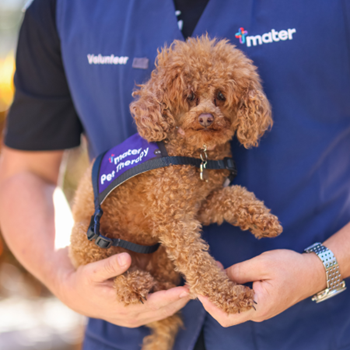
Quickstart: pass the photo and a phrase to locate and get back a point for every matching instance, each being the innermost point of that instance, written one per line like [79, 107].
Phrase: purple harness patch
[123, 157]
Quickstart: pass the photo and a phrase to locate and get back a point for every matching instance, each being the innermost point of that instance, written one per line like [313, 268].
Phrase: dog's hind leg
[239, 207]
[163, 270]
[163, 333]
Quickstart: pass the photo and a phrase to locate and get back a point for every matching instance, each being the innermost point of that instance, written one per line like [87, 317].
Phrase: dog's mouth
[219, 125]
[206, 129]
[211, 136]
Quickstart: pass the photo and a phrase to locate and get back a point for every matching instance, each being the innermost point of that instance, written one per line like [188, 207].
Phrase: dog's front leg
[239, 207]
[189, 253]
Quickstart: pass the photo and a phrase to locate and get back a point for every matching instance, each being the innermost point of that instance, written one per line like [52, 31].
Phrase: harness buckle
[229, 163]
[103, 242]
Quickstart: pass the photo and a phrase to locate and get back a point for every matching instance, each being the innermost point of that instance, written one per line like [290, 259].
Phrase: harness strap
[95, 223]
[105, 242]
[93, 232]
[95, 176]
[162, 148]
[156, 163]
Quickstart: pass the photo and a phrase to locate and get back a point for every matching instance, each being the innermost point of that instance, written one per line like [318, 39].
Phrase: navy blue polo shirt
[301, 168]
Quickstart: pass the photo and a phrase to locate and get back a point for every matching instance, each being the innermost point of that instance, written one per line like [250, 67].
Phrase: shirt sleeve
[42, 116]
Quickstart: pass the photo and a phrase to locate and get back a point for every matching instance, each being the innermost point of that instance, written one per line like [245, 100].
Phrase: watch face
[329, 293]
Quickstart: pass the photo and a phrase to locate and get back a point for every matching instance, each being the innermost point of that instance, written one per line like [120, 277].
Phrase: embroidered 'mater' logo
[111, 59]
[270, 37]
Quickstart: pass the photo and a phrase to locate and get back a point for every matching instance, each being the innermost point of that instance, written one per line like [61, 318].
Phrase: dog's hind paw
[133, 287]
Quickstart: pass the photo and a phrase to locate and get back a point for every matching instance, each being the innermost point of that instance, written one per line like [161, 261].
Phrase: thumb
[105, 269]
[247, 271]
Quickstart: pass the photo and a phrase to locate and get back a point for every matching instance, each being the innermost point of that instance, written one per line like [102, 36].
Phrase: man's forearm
[28, 225]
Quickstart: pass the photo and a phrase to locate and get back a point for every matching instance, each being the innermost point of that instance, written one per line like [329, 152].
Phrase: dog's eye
[220, 96]
[191, 96]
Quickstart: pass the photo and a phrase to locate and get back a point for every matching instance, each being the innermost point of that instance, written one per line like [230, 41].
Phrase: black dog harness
[131, 158]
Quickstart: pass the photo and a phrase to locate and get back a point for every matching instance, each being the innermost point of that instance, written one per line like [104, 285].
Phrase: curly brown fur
[163, 333]
[169, 205]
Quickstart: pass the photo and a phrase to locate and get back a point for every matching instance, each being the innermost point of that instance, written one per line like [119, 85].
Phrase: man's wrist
[315, 274]
[334, 282]
[58, 267]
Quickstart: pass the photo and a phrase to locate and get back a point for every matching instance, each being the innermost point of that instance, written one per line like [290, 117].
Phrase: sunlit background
[30, 317]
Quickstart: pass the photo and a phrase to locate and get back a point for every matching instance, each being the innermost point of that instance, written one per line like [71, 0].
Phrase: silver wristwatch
[335, 285]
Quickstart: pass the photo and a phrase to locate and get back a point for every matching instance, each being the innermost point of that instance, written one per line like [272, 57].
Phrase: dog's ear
[253, 116]
[161, 98]
[152, 118]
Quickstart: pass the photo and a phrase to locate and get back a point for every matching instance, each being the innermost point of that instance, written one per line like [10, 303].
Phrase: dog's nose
[206, 119]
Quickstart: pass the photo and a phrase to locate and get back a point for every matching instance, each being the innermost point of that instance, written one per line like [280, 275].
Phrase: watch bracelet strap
[335, 284]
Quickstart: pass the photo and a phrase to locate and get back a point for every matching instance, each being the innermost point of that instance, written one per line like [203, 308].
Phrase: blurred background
[31, 317]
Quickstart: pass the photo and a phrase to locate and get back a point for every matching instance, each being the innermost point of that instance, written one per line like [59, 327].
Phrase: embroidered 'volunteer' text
[99, 59]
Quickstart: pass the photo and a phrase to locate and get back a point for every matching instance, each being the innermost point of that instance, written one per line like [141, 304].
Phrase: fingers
[248, 271]
[165, 303]
[165, 297]
[158, 306]
[224, 319]
[105, 269]
[220, 266]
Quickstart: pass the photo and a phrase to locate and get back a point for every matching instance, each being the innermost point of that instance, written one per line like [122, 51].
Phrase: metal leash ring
[203, 165]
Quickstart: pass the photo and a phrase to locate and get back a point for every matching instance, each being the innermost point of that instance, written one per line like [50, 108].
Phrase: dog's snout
[206, 119]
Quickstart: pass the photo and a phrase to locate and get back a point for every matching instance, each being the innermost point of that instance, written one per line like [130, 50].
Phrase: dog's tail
[163, 333]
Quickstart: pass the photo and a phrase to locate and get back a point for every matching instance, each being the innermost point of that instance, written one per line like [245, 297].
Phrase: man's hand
[27, 184]
[281, 278]
[89, 291]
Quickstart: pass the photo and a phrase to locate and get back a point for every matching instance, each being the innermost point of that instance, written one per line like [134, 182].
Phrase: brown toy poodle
[201, 93]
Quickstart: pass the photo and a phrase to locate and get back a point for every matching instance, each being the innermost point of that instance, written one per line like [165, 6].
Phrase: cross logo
[111, 158]
[241, 35]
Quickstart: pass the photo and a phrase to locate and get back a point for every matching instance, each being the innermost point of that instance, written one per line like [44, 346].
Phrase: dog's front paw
[266, 225]
[239, 299]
